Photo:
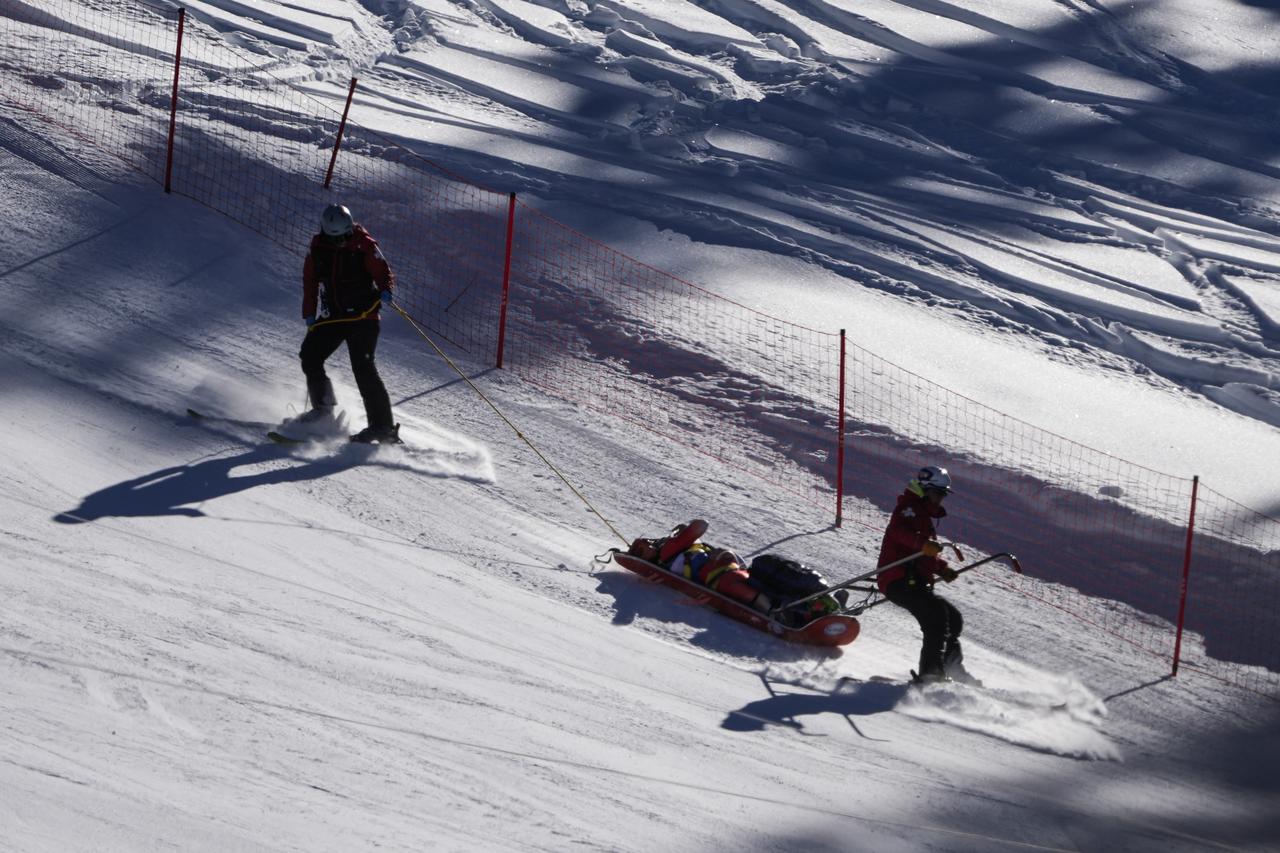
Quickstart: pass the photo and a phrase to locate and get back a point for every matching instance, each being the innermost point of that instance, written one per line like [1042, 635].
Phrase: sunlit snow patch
[1048, 713]
[428, 449]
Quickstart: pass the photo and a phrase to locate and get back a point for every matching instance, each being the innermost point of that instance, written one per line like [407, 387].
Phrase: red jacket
[345, 278]
[910, 526]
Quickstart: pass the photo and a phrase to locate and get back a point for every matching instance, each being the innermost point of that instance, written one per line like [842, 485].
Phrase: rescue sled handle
[856, 579]
[1013, 562]
[1017, 567]
[907, 559]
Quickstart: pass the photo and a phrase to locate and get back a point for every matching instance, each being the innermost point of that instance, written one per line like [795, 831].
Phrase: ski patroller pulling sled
[839, 628]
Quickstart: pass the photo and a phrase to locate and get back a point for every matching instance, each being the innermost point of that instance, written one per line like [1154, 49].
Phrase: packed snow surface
[1065, 210]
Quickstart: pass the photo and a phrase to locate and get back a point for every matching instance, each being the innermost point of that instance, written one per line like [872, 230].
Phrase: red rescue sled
[835, 629]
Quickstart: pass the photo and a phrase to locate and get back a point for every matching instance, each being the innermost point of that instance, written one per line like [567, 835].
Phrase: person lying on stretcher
[683, 553]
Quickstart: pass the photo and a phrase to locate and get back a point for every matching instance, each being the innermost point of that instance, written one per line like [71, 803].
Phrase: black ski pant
[939, 620]
[361, 338]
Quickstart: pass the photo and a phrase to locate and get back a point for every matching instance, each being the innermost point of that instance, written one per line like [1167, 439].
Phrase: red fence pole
[1186, 574]
[506, 277]
[840, 442]
[342, 126]
[173, 103]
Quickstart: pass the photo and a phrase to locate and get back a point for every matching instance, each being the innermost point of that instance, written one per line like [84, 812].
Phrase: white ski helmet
[336, 221]
[931, 478]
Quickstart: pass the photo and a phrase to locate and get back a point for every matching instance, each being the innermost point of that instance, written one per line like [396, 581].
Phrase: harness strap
[695, 556]
[363, 316]
[714, 577]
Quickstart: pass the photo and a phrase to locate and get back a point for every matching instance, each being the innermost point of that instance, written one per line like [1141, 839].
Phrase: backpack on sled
[786, 580]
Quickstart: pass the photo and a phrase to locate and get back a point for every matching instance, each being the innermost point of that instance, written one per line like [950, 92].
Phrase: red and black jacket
[346, 278]
[910, 526]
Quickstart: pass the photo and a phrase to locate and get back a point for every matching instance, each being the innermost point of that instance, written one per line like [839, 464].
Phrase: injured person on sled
[770, 584]
[683, 553]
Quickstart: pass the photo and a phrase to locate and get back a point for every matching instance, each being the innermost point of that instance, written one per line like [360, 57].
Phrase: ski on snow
[197, 415]
[272, 434]
[1024, 699]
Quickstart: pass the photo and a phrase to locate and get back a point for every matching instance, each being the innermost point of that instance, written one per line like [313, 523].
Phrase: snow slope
[1044, 173]
[212, 643]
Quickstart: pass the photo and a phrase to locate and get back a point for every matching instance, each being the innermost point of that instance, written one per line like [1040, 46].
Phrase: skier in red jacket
[910, 585]
[345, 280]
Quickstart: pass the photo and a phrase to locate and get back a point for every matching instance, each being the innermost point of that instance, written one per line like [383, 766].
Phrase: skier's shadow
[170, 491]
[849, 699]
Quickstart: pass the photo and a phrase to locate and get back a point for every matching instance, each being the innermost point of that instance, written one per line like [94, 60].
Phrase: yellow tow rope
[508, 422]
[365, 316]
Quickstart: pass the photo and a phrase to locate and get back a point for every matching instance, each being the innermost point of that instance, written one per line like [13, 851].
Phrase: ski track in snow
[862, 134]
[1063, 718]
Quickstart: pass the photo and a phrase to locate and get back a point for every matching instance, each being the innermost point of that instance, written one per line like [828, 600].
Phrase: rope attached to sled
[508, 422]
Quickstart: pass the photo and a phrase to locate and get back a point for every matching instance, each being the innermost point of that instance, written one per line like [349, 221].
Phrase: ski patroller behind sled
[834, 629]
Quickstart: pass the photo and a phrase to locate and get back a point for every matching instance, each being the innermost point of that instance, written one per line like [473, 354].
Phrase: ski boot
[953, 665]
[316, 415]
[957, 673]
[930, 676]
[378, 435]
[323, 402]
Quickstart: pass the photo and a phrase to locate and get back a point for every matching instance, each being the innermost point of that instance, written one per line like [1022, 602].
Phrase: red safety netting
[595, 326]
[96, 74]
[1233, 594]
[1096, 528]
[1101, 538]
